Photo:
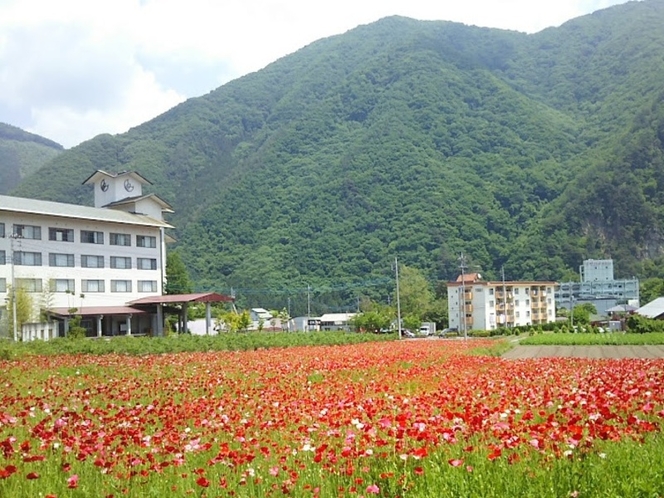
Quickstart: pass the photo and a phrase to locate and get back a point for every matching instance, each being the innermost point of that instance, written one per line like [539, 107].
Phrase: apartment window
[527, 313]
[121, 263]
[516, 302]
[28, 258]
[61, 260]
[120, 239]
[92, 261]
[29, 284]
[89, 237]
[3, 257]
[548, 301]
[147, 286]
[517, 314]
[516, 291]
[61, 234]
[491, 292]
[3, 285]
[62, 285]
[550, 313]
[120, 285]
[27, 232]
[2, 230]
[92, 285]
[526, 290]
[146, 241]
[527, 302]
[146, 263]
[490, 304]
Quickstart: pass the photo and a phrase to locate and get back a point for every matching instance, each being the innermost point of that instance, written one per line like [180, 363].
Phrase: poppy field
[409, 418]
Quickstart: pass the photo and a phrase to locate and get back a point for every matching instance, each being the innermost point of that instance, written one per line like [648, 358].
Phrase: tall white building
[88, 258]
[475, 304]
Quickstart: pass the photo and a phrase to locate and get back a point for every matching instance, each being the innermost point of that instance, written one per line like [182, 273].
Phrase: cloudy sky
[72, 69]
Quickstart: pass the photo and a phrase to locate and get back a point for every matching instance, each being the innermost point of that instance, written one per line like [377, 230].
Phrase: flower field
[411, 418]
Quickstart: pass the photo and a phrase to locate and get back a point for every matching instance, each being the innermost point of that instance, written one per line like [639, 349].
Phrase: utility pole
[396, 269]
[289, 315]
[12, 260]
[308, 305]
[502, 274]
[462, 266]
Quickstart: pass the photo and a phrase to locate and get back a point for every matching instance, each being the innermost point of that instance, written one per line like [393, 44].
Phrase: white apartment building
[95, 259]
[474, 304]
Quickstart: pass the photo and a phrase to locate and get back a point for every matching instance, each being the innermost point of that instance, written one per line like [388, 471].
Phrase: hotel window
[120, 239]
[27, 232]
[146, 241]
[2, 230]
[120, 285]
[61, 234]
[146, 263]
[92, 285]
[147, 286]
[61, 260]
[62, 285]
[88, 237]
[92, 261]
[3, 285]
[29, 284]
[3, 257]
[120, 263]
[28, 258]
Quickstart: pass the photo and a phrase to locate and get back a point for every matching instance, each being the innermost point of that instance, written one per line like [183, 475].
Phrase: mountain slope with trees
[21, 154]
[416, 139]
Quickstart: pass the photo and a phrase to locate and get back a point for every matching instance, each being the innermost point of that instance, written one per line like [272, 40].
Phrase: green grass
[185, 343]
[608, 339]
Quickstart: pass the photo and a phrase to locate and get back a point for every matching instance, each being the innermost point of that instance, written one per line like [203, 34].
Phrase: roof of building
[200, 297]
[622, 308]
[469, 277]
[165, 206]
[100, 173]
[76, 211]
[653, 309]
[336, 317]
[98, 311]
[499, 283]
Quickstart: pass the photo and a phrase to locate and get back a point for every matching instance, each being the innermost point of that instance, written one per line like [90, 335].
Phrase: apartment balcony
[468, 308]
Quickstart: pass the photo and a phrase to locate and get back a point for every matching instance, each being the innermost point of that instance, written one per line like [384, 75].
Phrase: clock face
[128, 186]
[103, 186]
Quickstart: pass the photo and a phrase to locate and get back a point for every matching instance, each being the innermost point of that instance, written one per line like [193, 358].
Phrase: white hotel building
[474, 304]
[95, 259]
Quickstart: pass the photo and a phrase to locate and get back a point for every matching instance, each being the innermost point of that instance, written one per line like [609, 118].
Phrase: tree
[177, 277]
[651, 289]
[581, 313]
[374, 321]
[415, 292]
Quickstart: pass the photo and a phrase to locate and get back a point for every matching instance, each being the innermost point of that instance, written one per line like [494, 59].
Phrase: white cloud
[72, 69]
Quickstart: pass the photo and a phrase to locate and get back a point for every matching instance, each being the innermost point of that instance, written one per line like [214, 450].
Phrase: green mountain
[411, 139]
[21, 154]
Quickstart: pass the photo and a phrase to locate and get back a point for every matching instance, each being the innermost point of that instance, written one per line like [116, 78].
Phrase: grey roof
[49, 208]
[653, 309]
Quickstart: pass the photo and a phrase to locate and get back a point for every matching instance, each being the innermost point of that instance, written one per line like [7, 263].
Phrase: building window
[548, 301]
[516, 302]
[146, 263]
[527, 314]
[92, 261]
[491, 292]
[526, 290]
[516, 290]
[62, 285]
[490, 304]
[28, 258]
[92, 285]
[3, 257]
[527, 302]
[550, 313]
[61, 260]
[3, 285]
[146, 241]
[120, 263]
[120, 285]
[89, 237]
[517, 314]
[29, 284]
[120, 239]
[61, 234]
[147, 286]
[2, 230]
[27, 232]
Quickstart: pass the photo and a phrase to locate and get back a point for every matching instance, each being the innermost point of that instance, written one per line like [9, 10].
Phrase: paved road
[519, 352]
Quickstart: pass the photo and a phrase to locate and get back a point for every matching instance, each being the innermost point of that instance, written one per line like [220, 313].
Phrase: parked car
[449, 331]
[407, 333]
[425, 330]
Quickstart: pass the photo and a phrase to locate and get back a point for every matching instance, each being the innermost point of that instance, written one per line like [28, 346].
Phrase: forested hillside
[411, 139]
[21, 154]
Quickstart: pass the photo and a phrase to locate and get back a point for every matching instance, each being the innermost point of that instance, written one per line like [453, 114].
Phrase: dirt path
[520, 352]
